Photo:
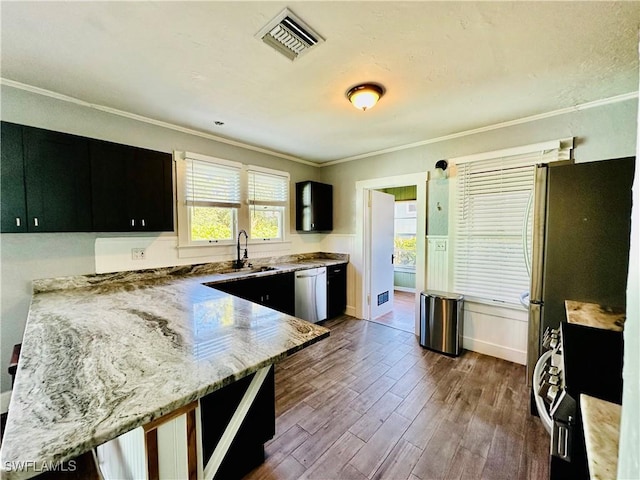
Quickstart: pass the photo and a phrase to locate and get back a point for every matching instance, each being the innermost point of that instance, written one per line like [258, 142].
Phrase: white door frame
[360, 260]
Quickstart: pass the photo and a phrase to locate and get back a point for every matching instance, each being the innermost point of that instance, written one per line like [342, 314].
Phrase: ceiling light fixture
[365, 96]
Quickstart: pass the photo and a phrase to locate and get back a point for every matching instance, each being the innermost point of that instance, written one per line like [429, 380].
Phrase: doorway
[361, 259]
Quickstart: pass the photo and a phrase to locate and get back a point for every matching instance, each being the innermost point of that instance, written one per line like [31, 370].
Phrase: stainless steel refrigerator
[580, 249]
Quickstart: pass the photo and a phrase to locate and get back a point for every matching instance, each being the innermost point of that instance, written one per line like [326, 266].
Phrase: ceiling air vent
[289, 35]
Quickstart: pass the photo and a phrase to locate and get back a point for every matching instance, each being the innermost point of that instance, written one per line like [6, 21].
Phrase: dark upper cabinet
[314, 207]
[57, 182]
[13, 216]
[45, 181]
[132, 188]
[336, 290]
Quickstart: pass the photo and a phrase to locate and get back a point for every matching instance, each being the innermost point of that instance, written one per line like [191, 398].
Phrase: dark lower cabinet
[132, 188]
[257, 427]
[273, 291]
[336, 290]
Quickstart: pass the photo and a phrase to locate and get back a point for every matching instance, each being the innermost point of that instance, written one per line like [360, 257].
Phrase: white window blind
[268, 188]
[493, 224]
[212, 184]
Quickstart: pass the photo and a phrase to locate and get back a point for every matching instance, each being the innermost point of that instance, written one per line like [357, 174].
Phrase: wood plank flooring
[370, 403]
[403, 314]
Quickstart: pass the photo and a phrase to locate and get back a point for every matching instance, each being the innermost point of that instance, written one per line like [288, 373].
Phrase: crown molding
[533, 118]
[151, 121]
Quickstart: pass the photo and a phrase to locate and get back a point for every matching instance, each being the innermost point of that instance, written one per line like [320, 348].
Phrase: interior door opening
[404, 258]
[362, 259]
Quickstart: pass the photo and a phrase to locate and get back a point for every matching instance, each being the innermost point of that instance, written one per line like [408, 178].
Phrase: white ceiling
[448, 67]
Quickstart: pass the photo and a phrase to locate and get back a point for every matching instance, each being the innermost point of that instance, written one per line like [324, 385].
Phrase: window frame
[408, 215]
[187, 247]
[276, 204]
[525, 156]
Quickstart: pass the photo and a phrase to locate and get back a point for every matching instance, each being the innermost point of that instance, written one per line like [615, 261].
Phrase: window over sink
[217, 198]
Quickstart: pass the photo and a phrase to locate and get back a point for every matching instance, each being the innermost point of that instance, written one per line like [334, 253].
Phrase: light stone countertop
[104, 354]
[601, 422]
[594, 315]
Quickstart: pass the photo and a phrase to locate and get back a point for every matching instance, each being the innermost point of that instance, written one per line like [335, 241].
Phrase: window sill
[228, 250]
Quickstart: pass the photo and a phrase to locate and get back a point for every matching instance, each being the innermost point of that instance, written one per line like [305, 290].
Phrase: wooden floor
[403, 315]
[369, 402]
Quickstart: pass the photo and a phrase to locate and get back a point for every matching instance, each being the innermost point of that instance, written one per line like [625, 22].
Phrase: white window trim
[224, 248]
[564, 146]
[286, 216]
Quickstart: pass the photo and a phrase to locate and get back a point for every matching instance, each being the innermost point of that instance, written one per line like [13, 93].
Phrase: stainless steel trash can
[441, 322]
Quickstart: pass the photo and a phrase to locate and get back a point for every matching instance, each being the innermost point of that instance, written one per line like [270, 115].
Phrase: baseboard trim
[404, 289]
[5, 398]
[351, 311]
[494, 350]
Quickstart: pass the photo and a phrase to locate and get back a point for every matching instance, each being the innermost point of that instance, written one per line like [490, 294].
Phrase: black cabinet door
[336, 290]
[279, 292]
[150, 190]
[109, 189]
[248, 288]
[258, 426]
[58, 181]
[132, 188]
[314, 207]
[13, 216]
[273, 291]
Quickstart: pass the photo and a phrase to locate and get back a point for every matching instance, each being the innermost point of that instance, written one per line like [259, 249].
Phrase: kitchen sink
[248, 270]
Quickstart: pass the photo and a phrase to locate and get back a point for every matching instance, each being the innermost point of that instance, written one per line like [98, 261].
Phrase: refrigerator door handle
[539, 220]
[537, 268]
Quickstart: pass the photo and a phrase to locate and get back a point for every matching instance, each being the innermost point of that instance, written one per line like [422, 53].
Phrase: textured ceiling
[447, 66]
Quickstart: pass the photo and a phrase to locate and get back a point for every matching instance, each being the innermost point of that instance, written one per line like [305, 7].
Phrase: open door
[381, 211]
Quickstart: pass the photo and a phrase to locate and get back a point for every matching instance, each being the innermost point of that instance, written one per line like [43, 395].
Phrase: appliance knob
[552, 393]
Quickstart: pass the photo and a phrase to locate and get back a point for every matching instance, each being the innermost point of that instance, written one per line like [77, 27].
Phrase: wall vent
[289, 35]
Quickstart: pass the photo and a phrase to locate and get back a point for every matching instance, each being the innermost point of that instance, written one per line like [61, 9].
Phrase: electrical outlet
[137, 253]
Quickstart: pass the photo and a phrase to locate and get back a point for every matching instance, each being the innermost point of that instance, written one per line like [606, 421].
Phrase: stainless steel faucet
[239, 263]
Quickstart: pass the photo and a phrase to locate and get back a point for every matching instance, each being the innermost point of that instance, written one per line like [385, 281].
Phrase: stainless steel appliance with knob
[311, 294]
[580, 359]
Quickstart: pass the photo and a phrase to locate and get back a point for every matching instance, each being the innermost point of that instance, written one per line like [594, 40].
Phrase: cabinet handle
[17, 221]
[313, 225]
[143, 223]
[133, 222]
[35, 222]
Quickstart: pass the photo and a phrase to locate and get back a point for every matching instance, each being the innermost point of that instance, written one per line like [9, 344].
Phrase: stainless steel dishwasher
[311, 294]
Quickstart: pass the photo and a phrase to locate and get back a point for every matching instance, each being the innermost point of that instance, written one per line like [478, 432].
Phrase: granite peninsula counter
[105, 354]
